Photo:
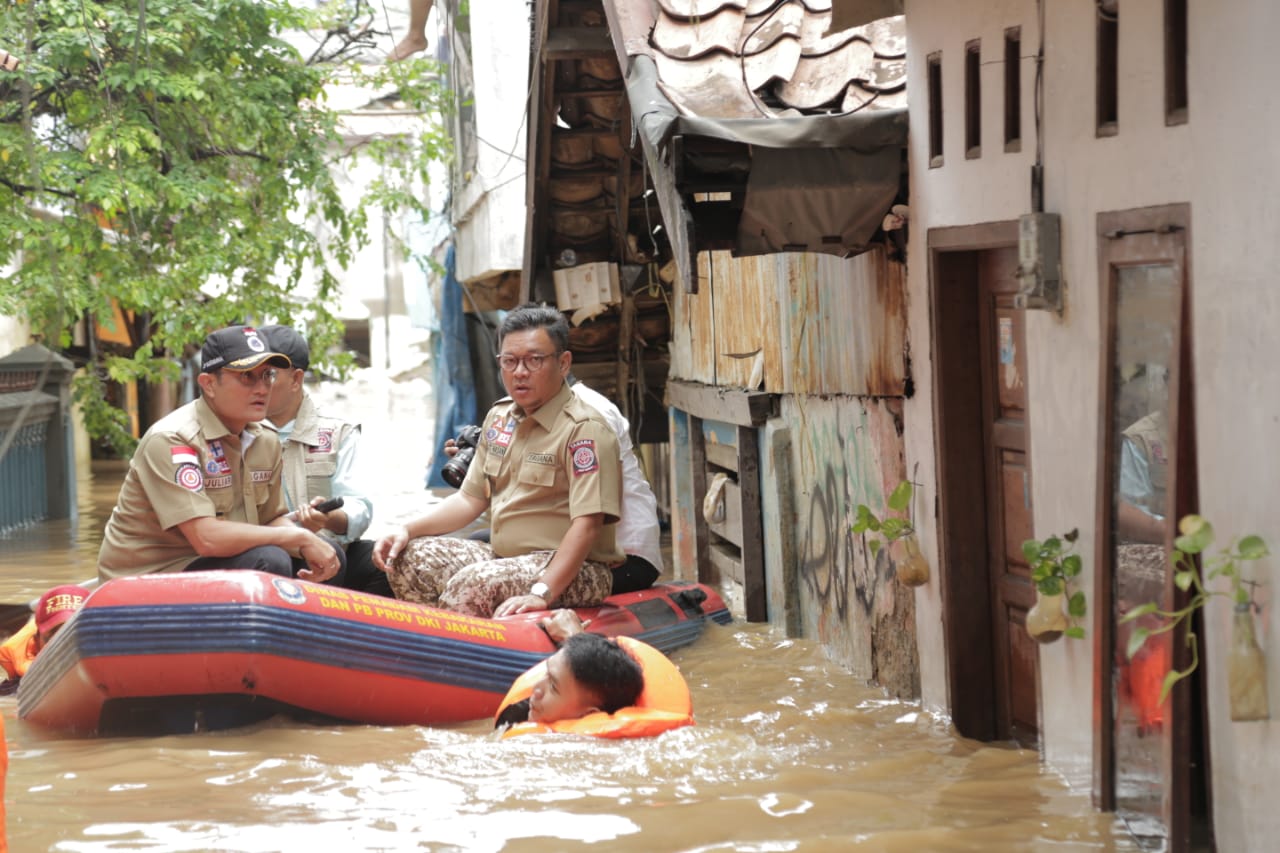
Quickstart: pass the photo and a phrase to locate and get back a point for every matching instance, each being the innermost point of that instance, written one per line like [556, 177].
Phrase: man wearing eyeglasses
[547, 468]
[204, 489]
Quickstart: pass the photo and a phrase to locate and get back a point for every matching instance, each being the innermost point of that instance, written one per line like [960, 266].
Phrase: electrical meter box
[1039, 262]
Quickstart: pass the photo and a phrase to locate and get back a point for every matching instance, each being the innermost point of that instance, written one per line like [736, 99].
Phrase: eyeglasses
[251, 380]
[532, 362]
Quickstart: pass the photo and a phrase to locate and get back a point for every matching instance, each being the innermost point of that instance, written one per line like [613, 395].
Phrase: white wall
[489, 212]
[1223, 163]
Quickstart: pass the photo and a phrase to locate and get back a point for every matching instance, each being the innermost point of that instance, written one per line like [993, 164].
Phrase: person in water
[588, 673]
[53, 610]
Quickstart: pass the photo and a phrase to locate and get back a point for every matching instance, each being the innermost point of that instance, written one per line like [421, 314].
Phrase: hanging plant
[910, 566]
[1195, 576]
[1058, 609]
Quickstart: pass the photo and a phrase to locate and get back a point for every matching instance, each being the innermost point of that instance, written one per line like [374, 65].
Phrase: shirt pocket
[538, 475]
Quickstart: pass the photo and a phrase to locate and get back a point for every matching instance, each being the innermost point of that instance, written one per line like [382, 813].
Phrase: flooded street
[789, 753]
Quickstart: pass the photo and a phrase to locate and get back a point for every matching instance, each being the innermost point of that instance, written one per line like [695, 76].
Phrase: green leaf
[1075, 632]
[862, 520]
[894, 528]
[1052, 546]
[1050, 586]
[900, 499]
[1183, 579]
[1197, 534]
[1139, 611]
[1030, 549]
[1071, 565]
[1253, 548]
[1170, 679]
[874, 545]
[1076, 605]
[1136, 639]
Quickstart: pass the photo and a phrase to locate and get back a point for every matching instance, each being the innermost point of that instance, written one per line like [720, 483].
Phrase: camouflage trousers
[464, 575]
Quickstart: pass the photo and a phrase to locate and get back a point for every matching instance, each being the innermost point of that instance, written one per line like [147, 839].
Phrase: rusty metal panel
[846, 325]
[693, 337]
[746, 309]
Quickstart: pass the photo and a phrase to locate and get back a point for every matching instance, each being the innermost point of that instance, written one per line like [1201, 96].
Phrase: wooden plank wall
[824, 325]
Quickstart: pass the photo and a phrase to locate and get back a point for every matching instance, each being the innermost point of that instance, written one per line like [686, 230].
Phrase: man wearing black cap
[204, 487]
[321, 461]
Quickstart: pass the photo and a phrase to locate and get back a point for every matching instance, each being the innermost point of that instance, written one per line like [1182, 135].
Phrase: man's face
[532, 387]
[239, 398]
[286, 396]
[560, 696]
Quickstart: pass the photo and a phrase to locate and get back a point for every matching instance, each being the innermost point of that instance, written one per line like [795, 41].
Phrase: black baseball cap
[286, 340]
[238, 348]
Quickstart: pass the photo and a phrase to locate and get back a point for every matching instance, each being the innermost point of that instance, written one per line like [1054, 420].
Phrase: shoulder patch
[583, 452]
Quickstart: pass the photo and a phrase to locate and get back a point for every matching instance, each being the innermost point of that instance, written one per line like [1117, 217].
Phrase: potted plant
[910, 566]
[1246, 670]
[1057, 610]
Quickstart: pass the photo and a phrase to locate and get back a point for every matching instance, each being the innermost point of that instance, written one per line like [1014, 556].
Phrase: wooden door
[1003, 363]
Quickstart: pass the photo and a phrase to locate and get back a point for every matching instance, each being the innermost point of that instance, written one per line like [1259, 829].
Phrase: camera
[455, 470]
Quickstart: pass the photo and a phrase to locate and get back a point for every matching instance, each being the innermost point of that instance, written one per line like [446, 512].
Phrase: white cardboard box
[587, 284]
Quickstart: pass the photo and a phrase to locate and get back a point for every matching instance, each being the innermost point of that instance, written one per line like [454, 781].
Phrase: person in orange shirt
[53, 610]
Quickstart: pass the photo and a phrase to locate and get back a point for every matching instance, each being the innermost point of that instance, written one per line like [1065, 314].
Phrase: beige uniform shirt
[187, 466]
[539, 472]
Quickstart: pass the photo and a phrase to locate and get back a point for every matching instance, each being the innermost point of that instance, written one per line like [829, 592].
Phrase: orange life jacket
[663, 704]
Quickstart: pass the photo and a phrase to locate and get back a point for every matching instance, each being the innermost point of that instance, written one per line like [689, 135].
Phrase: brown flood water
[789, 754]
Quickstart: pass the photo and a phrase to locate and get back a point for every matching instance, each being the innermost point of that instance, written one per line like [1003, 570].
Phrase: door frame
[960, 460]
[1112, 255]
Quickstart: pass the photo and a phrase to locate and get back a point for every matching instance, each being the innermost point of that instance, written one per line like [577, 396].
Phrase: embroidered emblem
[223, 482]
[261, 476]
[188, 476]
[289, 590]
[584, 456]
[254, 341]
[325, 442]
[219, 458]
[183, 455]
[212, 466]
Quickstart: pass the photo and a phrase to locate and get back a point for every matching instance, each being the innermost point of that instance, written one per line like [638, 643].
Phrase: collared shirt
[188, 465]
[638, 531]
[538, 472]
[321, 459]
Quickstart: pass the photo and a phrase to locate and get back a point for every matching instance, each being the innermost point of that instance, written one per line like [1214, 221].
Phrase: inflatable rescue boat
[177, 653]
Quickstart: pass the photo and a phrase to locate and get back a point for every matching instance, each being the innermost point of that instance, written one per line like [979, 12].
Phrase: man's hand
[562, 624]
[322, 560]
[520, 604]
[386, 549]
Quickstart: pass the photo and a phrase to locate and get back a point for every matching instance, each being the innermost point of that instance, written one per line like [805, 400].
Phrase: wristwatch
[541, 590]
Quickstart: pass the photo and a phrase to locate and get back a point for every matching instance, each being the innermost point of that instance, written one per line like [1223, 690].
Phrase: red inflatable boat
[174, 653]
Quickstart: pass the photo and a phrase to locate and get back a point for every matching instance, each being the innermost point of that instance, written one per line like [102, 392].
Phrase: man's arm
[563, 568]
[213, 537]
[453, 513]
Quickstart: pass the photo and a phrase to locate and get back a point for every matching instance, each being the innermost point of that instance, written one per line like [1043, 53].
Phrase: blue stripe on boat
[194, 629]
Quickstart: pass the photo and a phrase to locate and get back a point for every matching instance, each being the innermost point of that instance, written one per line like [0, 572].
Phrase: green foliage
[1053, 567]
[1193, 571]
[176, 161]
[891, 528]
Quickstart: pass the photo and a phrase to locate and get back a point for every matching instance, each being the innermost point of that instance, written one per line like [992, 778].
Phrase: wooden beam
[727, 405]
[578, 43]
[754, 593]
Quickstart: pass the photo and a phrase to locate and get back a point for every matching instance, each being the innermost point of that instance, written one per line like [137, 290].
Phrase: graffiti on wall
[844, 453]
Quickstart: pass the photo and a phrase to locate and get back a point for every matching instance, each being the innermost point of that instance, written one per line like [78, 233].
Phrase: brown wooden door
[1005, 428]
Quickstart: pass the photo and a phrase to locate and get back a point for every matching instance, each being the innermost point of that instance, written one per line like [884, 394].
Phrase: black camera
[455, 470]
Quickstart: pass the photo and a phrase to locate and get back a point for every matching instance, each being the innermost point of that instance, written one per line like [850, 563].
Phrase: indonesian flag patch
[583, 452]
[183, 455]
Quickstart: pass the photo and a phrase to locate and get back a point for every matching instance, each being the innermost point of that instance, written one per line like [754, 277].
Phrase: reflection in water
[789, 753]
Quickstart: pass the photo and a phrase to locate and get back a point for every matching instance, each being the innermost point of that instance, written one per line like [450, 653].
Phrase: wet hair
[606, 669]
[533, 316]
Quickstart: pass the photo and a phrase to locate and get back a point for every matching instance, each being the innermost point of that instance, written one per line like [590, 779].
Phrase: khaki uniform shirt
[187, 466]
[539, 472]
[312, 447]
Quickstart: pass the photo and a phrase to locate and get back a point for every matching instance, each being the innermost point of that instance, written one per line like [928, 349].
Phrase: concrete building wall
[1222, 163]
[489, 211]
